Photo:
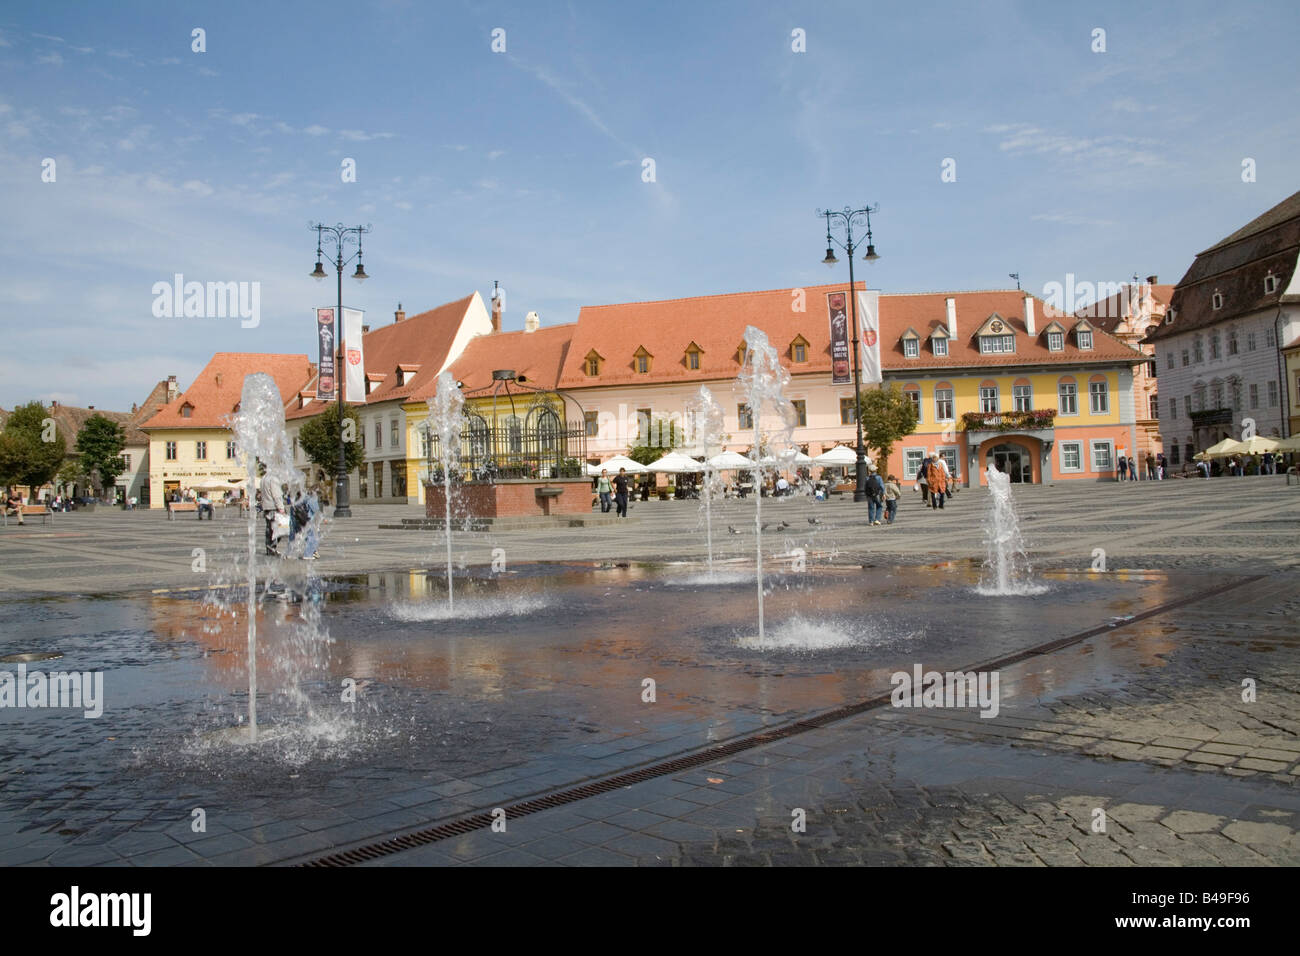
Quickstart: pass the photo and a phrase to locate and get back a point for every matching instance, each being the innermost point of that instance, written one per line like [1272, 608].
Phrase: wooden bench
[182, 506]
[31, 511]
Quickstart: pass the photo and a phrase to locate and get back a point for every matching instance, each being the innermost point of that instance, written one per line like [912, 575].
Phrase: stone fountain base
[511, 498]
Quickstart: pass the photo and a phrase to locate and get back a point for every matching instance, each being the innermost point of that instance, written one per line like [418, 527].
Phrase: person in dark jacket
[620, 492]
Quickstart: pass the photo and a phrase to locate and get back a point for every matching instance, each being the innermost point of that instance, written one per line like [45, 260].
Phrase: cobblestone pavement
[1135, 746]
[1239, 523]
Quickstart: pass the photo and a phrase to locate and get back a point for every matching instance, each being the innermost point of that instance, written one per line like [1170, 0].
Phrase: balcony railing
[1039, 418]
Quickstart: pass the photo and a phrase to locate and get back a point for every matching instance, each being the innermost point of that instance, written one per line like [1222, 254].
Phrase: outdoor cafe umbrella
[730, 461]
[1255, 445]
[675, 463]
[622, 461]
[841, 456]
[1291, 444]
[798, 458]
[1219, 450]
[217, 484]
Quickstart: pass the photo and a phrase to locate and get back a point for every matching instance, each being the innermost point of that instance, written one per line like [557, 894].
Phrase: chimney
[172, 389]
[496, 307]
[532, 322]
[952, 317]
[399, 314]
[219, 378]
[1029, 315]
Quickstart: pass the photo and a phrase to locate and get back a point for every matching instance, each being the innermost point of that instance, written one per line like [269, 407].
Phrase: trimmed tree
[887, 415]
[665, 434]
[100, 443]
[43, 445]
[319, 440]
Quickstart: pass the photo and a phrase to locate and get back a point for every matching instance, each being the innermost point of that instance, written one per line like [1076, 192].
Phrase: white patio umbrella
[622, 461]
[841, 456]
[675, 463]
[215, 484]
[1257, 445]
[1221, 449]
[798, 458]
[730, 461]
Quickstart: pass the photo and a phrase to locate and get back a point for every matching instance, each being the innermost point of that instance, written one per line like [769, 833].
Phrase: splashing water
[445, 421]
[762, 381]
[707, 420]
[262, 444]
[1007, 564]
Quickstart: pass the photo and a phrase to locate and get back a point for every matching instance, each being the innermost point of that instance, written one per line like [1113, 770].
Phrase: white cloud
[316, 130]
[496, 154]
[53, 59]
[46, 36]
[1070, 219]
[360, 136]
[198, 187]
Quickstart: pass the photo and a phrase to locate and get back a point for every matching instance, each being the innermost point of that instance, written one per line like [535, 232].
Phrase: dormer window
[911, 344]
[742, 350]
[996, 337]
[373, 381]
[799, 350]
[187, 410]
[1056, 341]
[1083, 337]
[405, 373]
[592, 363]
[1270, 284]
[939, 342]
[693, 353]
[642, 360]
[1216, 300]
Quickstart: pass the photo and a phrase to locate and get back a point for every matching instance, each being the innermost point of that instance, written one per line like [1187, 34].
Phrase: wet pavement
[538, 683]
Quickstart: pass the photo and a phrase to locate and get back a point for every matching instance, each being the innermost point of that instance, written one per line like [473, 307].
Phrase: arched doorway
[1012, 459]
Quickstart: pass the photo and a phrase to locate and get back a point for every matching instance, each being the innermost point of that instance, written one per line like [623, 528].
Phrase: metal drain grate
[479, 821]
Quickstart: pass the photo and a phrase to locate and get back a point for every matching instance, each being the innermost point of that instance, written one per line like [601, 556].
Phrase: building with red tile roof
[190, 440]
[989, 355]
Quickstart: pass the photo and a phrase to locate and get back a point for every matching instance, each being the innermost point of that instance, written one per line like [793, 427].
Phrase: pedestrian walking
[1133, 468]
[620, 493]
[1151, 467]
[938, 483]
[923, 481]
[1121, 468]
[875, 498]
[892, 493]
[604, 489]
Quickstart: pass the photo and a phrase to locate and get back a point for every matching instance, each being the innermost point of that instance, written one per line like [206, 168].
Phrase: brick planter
[513, 497]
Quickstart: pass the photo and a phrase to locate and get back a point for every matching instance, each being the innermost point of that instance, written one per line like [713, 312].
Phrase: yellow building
[190, 441]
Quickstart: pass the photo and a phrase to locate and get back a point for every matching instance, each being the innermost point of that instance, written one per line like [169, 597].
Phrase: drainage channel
[478, 821]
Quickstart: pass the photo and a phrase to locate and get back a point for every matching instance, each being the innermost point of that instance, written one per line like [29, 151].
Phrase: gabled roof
[216, 390]
[71, 419]
[538, 356]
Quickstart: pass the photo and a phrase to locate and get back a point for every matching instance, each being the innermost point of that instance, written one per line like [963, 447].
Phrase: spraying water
[445, 421]
[1007, 563]
[263, 445]
[708, 423]
[762, 381]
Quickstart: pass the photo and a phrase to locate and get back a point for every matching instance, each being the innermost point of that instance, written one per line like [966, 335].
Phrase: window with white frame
[949, 456]
[230, 449]
[1154, 404]
[392, 434]
[1103, 455]
[912, 458]
[943, 404]
[1071, 456]
[1099, 398]
[1216, 300]
[1084, 338]
[1067, 394]
[914, 395]
[1270, 284]
[997, 344]
[1022, 398]
[1055, 341]
[911, 348]
[940, 346]
[988, 398]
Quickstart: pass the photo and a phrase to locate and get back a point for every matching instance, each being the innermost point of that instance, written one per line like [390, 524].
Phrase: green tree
[15, 459]
[887, 415]
[43, 447]
[319, 440]
[70, 473]
[664, 434]
[100, 443]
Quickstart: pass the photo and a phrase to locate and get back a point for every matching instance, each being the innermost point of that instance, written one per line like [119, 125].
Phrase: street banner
[354, 359]
[837, 306]
[325, 332]
[869, 332]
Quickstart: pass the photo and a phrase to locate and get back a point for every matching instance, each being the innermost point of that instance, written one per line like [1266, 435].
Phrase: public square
[1122, 736]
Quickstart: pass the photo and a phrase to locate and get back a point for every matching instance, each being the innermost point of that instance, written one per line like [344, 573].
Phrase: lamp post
[848, 218]
[341, 236]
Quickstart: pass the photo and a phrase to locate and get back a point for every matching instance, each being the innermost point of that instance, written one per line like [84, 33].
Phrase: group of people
[287, 517]
[934, 481]
[1126, 467]
[617, 488]
[882, 498]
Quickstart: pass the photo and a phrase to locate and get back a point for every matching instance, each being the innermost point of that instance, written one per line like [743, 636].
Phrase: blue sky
[526, 166]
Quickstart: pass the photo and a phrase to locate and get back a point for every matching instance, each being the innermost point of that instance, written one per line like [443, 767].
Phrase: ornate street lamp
[340, 236]
[848, 218]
